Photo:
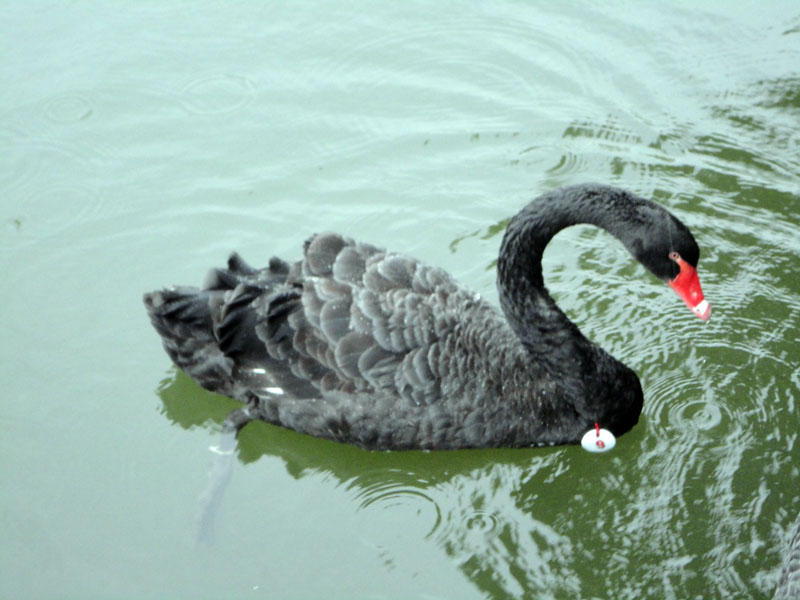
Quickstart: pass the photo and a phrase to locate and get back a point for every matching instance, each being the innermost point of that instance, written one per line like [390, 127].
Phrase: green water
[141, 142]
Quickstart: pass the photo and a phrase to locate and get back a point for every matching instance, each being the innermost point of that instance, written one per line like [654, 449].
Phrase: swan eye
[674, 256]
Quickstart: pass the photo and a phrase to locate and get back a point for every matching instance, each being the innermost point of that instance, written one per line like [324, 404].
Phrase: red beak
[687, 285]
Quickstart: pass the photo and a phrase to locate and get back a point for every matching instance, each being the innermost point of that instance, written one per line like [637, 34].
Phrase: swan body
[361, 345]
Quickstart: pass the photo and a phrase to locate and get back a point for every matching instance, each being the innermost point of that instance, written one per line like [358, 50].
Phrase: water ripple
[45, 142]
[39, 217]
[68, 108]
[569, 163]
[398, 490]
[217, 94]
[699, 415]
[483, 522]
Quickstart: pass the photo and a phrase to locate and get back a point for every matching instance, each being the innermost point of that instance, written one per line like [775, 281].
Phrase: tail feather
[211, 332]
[183, 319]
[240, 272]
[235, 325]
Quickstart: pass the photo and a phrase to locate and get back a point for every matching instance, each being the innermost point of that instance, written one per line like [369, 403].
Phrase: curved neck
[544, 330]
[598, 387]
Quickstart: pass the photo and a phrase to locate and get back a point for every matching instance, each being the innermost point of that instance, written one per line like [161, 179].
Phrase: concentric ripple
[482, 521]
[396, 492]
[699, 414]
[68, 108]
[217, 94]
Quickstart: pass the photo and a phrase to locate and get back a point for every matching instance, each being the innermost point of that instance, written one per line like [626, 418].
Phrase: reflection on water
[469, 503]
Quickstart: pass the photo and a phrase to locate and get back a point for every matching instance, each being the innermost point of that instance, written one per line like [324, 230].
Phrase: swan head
[671, 254]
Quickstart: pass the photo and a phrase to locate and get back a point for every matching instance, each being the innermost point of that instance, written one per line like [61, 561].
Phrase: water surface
[141, 143]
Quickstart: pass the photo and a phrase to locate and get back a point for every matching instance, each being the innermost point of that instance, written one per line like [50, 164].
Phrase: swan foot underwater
[370, 347]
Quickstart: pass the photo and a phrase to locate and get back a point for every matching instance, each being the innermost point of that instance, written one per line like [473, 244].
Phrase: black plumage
[361, 345]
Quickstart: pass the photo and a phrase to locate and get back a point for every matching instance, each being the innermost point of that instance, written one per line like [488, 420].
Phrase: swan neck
[533, 314]
[594, 383]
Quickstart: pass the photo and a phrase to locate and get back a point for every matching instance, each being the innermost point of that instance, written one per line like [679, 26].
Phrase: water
[142, 142]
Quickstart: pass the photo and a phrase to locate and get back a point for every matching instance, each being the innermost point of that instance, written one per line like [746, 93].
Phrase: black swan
[365, 346]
